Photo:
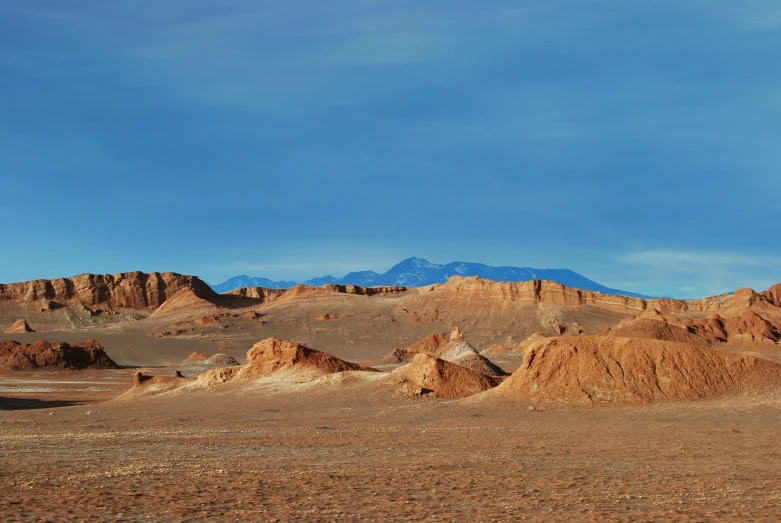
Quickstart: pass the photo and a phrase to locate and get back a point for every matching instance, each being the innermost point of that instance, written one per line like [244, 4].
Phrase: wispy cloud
[695, 274]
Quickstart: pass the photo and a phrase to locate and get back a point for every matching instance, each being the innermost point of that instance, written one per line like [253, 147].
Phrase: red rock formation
[145, 386]
[20, 326]
[426, 374]
[461, 353]
[455, 350]
[431, 344]
[132, 290]
[186, 302]
[598, 369]
[544, 291]
[42, 354]
[262, 294]
[655, 325]
[273, 355]
[196, 356]
[744, 317]
[207, 320]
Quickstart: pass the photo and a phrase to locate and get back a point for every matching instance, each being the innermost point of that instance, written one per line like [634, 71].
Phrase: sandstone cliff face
[307, 291]
[132, 290]
[535, 291]
[551, 292]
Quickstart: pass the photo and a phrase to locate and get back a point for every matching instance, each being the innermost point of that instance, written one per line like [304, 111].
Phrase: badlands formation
[320, 403]
[60, 356]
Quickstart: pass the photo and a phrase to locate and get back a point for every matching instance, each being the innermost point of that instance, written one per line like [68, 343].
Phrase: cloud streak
[697, 274]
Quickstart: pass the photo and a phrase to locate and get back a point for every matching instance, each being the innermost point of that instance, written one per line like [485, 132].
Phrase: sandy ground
[359, 452]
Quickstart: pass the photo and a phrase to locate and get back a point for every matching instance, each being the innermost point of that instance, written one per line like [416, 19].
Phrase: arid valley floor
[493, 401]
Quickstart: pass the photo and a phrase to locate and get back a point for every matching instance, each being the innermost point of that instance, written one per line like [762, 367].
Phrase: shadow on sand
[32, 403]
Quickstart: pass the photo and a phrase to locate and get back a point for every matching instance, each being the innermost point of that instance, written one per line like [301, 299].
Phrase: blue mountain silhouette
[417, 272]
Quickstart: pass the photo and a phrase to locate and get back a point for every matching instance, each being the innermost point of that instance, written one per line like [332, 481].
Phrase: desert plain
[472, 400]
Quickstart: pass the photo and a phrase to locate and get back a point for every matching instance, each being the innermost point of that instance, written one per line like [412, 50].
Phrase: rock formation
[268, 296]
[550, 292]
[61, 356]
[132, 290]
[744, 317]
[186, 302]
[655, 325]
[145, 386]
[20, 326]
[196, 356]
[454, 350]
[598, 369]
[263, 295]
[534, 338]
[273, 355]
[461, 353]
[431, 344]
[198, 363]
[426, 375]
[207, 320]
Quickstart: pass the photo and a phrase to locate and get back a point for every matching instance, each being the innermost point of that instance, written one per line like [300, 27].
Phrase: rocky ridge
[131, 290]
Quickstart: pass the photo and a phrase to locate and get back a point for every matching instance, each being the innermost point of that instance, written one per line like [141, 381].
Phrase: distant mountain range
[417, 272]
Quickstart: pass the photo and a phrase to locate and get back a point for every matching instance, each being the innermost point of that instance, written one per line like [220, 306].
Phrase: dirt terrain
[332, 454]
[267, 404]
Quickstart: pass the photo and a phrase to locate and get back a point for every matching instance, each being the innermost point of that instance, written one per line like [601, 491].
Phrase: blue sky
[634, 142]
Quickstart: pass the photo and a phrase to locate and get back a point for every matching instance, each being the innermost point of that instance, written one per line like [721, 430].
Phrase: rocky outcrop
[261, 294]
[431, 344]
[600, 369]
[306, 291]
[655, 325]
[273, 355]
[535, 291]
[551, 292]
[461, 353]
[428, 375]
[186, 302]
[132, 290]
[60, 356]
[198, 363]
[268, 296]
[20, 326]
[454, 350]
[746, 317]
[145, 386]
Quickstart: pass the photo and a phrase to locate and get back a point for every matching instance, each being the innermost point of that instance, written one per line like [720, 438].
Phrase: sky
[636, 143]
